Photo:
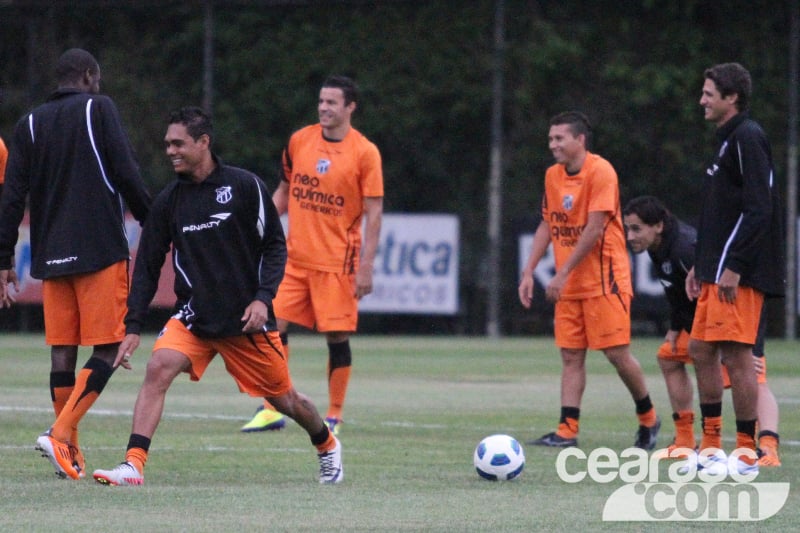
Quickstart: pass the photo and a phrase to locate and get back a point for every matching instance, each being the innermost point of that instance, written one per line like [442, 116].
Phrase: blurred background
[456, 95]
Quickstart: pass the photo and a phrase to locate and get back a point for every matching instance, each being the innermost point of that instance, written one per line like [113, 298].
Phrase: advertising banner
[416, 267]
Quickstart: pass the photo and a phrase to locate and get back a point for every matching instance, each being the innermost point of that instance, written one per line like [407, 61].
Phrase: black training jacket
[741, 222]
[672, 262]
[228, 249]
[73, 160]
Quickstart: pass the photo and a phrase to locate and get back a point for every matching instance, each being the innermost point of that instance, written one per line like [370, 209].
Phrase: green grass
[416, 408]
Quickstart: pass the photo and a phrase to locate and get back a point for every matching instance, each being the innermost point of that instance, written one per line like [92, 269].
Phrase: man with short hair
[228, 253]
[72, 160]
[332, 181]
[739, 261]
[592, 290]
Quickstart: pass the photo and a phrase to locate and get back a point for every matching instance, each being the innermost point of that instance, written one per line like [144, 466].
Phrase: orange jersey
[328, 182]
[566, 206]
[3, 159]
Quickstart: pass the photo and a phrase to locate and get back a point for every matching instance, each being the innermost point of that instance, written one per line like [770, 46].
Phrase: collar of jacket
[724, 131]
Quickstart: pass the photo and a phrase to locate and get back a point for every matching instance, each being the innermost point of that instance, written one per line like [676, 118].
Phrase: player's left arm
[373, 215]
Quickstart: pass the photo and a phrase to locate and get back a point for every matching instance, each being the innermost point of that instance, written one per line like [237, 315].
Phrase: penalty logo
[688, 493]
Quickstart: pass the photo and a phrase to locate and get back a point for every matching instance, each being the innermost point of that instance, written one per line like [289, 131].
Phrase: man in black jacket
[739, 262]
[72, 160]
[229, 254]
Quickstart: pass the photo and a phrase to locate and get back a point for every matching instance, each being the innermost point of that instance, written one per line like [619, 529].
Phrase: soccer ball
[499, 458]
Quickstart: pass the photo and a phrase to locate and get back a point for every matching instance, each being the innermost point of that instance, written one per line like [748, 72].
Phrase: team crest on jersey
[323, 165]
[567, 201]
[666, 267]
[224, 195]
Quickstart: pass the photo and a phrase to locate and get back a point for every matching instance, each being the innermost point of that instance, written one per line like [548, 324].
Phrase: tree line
[425, 70]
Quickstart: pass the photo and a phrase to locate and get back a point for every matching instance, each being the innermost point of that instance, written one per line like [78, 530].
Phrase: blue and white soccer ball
[499, 458]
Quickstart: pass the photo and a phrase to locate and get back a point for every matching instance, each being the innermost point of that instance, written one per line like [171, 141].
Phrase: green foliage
[425, 70]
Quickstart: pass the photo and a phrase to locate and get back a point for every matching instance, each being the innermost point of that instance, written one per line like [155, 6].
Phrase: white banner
[416, 267]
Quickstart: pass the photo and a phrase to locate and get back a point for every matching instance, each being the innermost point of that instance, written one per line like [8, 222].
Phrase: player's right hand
[526, 291]
[8, 277]
[125, 351]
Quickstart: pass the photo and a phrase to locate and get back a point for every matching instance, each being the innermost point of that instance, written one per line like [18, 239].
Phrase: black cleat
[554, 441]
[646, 436]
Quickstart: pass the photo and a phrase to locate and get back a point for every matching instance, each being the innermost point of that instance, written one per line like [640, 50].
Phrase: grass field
[416, 408]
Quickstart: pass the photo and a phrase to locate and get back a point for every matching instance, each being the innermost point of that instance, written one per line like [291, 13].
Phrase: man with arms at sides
[332, 180]
[72, 160]
[739, 262]
[228, 253]
[670, 243]
[591, 289]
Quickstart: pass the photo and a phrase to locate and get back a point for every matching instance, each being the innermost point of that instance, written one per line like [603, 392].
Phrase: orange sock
[137, 457]
[684, 429]
[328, 445]
[569, 428]
[88, 385]
[712, 432]
[745, 440]
[60, 396]
[768, 441]
[338, 380]
[648, 418]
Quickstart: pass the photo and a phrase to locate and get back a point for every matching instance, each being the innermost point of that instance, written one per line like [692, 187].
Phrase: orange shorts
[256, 362]
[86, 309]
[681, 353]
[761, 372]
[596, 323]
[716, 321]
[312, 298]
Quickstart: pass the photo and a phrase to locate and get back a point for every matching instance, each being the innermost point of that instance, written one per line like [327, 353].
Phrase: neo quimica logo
[709, 486]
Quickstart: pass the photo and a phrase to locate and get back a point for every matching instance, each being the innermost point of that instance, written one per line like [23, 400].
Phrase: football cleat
[554, 440]
[768, 456]
[744, 468]
[78, 460]
[646, 436]
[334, 424]
[124, 474]
[265, 420]
[715, 464]
[59, 455]
[330, 465]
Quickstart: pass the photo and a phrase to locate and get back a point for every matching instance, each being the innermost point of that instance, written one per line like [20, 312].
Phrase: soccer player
[670, 243]
[739, 260]
[332, 182]
[592, 291]
[228, 253]
[71, 159]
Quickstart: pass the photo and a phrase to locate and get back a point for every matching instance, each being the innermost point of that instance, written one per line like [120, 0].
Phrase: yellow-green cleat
[334, 424]
[265, 420]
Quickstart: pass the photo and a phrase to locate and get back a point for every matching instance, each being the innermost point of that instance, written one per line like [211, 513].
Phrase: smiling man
[592, 291]
[332, 182]
[739, 258]
[228, 253]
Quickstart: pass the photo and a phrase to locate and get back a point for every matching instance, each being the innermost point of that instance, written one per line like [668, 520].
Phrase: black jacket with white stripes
[741, 222]
[71, 157]
[672, 261]
[228, 249]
